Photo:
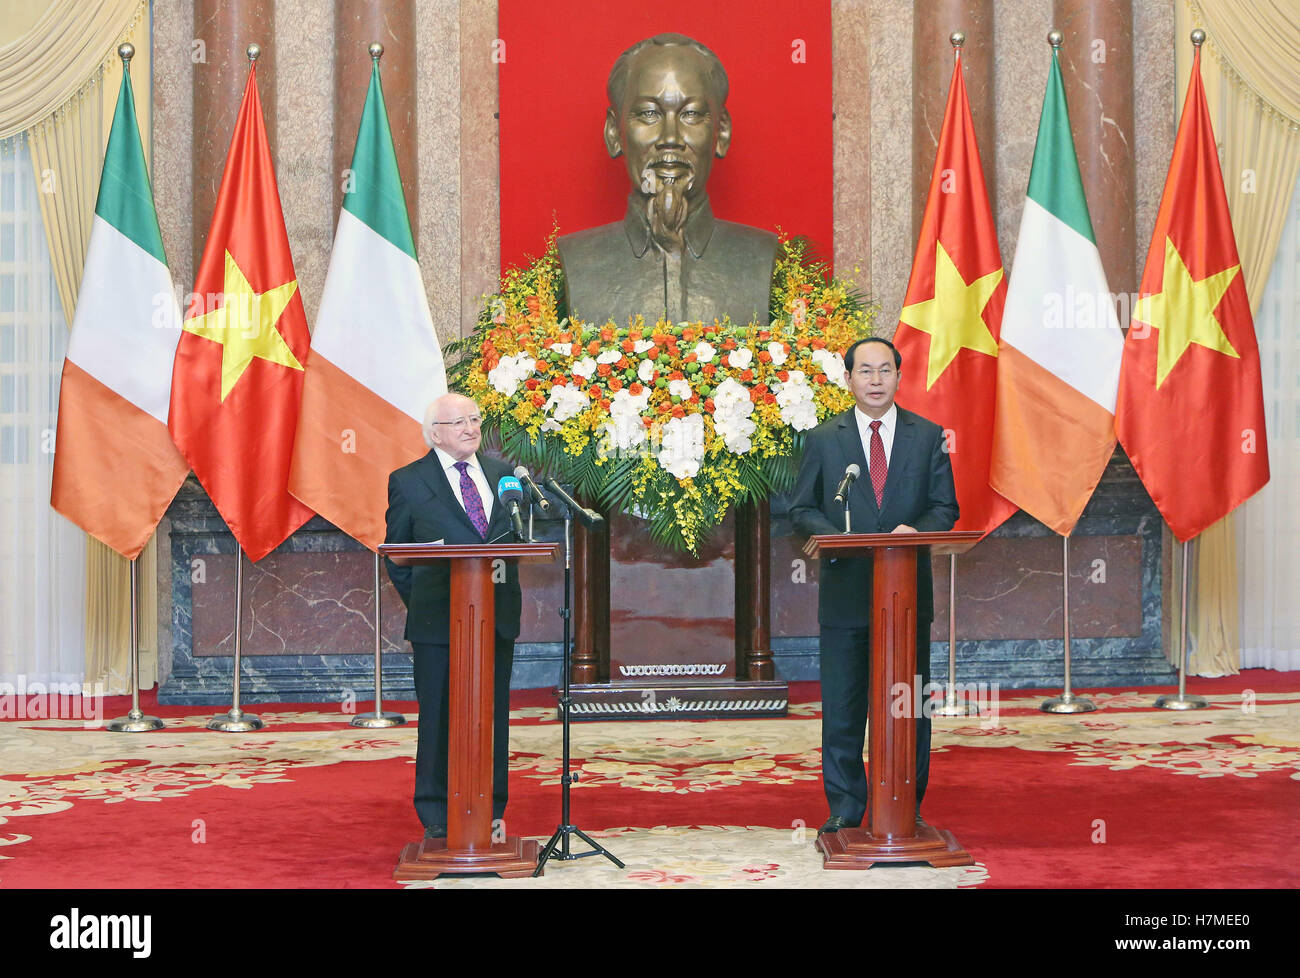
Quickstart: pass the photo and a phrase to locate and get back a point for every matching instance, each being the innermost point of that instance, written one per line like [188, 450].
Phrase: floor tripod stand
[558, 846]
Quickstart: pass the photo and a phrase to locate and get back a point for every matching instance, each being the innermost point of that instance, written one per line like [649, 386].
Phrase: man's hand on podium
[904, 528]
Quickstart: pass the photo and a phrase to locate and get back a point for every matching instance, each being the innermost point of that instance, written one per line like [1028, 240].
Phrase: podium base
[430, 858]
[859, 849]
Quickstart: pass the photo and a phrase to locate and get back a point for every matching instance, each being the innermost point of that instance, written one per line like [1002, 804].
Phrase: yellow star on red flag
[1183, 312]
[244, 325]
[954, 316]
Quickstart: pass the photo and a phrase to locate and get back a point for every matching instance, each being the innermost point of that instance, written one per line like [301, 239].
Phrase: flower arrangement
[674, 422]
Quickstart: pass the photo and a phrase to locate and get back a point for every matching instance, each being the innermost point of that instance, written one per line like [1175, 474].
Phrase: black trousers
[432, 666]
[845, 677]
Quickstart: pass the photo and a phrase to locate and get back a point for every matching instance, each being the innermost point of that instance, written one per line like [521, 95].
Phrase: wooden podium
[892, 833]
[468, 847]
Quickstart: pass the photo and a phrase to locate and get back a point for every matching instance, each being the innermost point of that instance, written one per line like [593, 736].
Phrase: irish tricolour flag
[1060, 348]
[375, 361]
[115, 465]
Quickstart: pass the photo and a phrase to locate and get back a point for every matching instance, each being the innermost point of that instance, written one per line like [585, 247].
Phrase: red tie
[877, 464]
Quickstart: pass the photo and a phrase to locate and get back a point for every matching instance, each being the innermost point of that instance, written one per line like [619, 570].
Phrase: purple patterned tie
[473, 501]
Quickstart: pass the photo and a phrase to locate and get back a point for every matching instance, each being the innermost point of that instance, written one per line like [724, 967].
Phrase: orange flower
[764, 356]
[688, 335]
[593, 347]
[652, 353]
[623, 363]
[566, 337]
[708, 404]
[607, 335]
[708, 370]
[679, 411]
[676, 375]
[615, 384]
[540, 366]
[539, 401]
[806, 287]
[628, 346]
[664, 407]
[635, 389]
[818, 343]
[604, 403]
[769, 398]
[819, 379]
[531, 383]
[747, 376]
[603, 369]
[595, 393]
[783, 375]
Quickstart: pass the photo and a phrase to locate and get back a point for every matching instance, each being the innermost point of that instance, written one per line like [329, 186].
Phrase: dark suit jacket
[919, 492]
[422, 508]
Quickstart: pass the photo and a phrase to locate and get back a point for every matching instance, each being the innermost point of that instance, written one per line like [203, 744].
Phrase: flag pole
[952, 708]
[1182, 701]
[378, 718]
[1067, 702]
[135, 721]
[236, 720]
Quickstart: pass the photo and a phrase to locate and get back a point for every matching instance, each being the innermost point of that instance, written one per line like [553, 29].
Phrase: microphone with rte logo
[511, 494]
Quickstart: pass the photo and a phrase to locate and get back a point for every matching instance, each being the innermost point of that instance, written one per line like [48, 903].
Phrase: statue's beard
[667, 208]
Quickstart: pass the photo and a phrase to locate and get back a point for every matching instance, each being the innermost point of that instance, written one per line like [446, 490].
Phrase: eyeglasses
[884, 373]
[460, 424]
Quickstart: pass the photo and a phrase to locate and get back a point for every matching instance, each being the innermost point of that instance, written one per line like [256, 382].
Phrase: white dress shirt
[888, 424]
[475, 472]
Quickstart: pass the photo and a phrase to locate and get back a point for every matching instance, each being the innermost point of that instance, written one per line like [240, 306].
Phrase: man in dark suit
[448, 495]
[905, 486]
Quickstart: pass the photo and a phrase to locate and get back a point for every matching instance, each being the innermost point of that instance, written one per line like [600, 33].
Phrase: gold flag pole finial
[1055, 38]
[376, 51]
[254, 52]
[126, 51]
[957, 39]
[1198, 37]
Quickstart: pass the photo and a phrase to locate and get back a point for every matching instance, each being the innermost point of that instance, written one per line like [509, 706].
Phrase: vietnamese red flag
[952, 314]
[237, 380]
[1191, 405]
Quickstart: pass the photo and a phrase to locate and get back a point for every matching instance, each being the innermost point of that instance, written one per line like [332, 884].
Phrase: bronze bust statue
[669, 255]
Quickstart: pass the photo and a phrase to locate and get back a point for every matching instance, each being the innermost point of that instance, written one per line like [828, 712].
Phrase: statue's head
[667, 116]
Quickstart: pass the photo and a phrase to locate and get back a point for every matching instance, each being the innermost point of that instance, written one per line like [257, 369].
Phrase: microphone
[511, 493]
[588, 518]
[539, 498]
[842, 490]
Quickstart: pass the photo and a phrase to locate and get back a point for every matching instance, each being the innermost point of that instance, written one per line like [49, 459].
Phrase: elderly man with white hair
[448, 495]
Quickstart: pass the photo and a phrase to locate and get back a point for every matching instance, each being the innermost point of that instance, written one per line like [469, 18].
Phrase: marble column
[932, 59]
[851, 123]
[226, 28]
[480, 220]
[1097, 66]
[358, 23]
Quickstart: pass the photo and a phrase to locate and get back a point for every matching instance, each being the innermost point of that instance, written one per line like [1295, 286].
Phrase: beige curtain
[65, 109]
[1250, 65]
[46, 60]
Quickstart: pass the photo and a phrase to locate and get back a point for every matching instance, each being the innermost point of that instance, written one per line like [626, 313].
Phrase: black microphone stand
[566, 828]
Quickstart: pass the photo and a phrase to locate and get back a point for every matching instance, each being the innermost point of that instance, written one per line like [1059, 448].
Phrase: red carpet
[1125, 797]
